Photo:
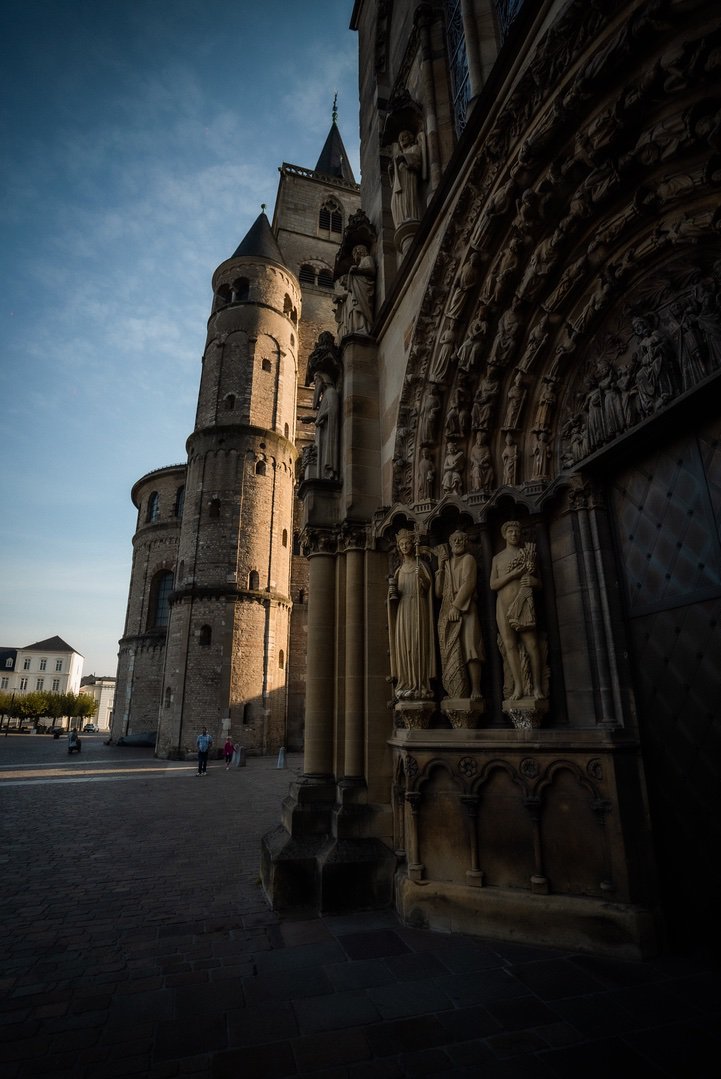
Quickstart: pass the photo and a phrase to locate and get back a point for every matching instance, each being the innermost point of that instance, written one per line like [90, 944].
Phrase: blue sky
[139, 139]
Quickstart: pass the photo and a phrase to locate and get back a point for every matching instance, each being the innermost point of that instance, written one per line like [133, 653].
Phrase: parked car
[90, 728]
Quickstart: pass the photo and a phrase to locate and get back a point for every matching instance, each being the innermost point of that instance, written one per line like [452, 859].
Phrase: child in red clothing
[228, 752]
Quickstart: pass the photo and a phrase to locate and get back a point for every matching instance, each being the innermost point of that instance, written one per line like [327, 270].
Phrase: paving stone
[257, 1025]
[599, 1059]
[409, 998]
[286, 984]
[552, 979]
[466, 1024]
[404, 1035]
[255, 1062]
[334, 1012]
[180, 1038]
[361, 974]
[325, 1050]
[301, 958]
[372, 945]
[522, 1013]
[465, 989]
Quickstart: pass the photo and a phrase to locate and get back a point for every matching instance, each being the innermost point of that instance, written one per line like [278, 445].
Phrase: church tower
[228, 633]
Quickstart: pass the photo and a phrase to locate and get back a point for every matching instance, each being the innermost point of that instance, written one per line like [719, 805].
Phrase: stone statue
[709, 320]
[430, 415]
[689, 344]
[442, 359]
[481, 464]
[541, 456]
[459, 629]
[410, 623]
[468, 277]
[354, 304]
[470, 348]
[484, 401]
[654, 382]
[513, 578]
[516, 397]
[426, 476]
[327, 421]
[510, 461]
[453, 467]
[406, 171]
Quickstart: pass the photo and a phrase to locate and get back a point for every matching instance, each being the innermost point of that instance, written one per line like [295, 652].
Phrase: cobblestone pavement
[136, 942]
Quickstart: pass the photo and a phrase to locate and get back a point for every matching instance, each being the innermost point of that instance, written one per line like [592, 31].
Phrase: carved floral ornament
[577, 289]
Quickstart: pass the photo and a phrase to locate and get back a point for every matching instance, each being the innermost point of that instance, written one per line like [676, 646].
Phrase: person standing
[204, 741]
[228, 752]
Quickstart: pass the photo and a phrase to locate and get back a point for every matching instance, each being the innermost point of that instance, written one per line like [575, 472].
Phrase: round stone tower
[227, 645]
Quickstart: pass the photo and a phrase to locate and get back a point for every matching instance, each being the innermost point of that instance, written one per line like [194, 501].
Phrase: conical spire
[259, 241]
[333, 160]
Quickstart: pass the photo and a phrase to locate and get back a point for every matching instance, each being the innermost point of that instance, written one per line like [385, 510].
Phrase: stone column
[473, 56]
[320, 676]
[354, 657]
[425, 18]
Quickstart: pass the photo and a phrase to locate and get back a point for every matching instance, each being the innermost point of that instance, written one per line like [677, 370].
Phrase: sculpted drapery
[411, 624]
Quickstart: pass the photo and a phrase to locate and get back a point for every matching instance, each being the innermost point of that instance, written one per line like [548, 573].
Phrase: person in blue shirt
[203, 742]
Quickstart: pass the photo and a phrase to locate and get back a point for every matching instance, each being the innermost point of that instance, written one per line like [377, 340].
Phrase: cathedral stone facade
[512, 722]
[504, 484]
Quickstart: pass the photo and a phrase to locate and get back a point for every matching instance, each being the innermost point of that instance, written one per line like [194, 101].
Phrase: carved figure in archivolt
[406, 172]
[454, 464]
[458, 417]
[482, 475]
[709, 319]
[468, 277]
[516, 396]
[546, 405]
[443, 357]
[654, 374]
[426, 476]
[411, 624]
[459, 629]
[541, 456]
[510, 461]
[430, 416]
[484, 401]
[514, 579]
[471, 347]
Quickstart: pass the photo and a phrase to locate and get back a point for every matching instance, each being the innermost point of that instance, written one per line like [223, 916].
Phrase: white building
[51, 666]
[102, 690]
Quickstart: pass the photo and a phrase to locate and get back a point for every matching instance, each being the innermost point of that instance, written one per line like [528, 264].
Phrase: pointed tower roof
[259, 242]
[333, 160]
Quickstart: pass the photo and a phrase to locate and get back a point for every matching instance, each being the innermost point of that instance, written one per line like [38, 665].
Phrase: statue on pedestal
[513, 578]
[459, 629]
[410, 623]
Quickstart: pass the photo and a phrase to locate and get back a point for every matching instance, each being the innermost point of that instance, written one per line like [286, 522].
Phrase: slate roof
[52, 644]
[333, 160]
[259, 242]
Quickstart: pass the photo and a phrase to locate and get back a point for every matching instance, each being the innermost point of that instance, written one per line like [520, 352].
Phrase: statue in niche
[471, 347]
[426, 476]
[508, 263]
[540, 264]
[410, 623]
[509, 325]
[468, 277]
[654, 381]
[688, 344]
[527, 212]
[459, 629]
[606, 380]
[454, 465]
[510, 461]
[709, 319]
[498, 205]
[516, 397]
[514, 578]
[484, 401]
[406, 172]
[354, 304]
[482, 475]
[327, 425]
[430, 416]
[442, 359]
[536, 340]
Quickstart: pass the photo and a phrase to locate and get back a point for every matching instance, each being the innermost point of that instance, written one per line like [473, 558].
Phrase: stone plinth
[527, 713]
[413, 715]
[463, 713]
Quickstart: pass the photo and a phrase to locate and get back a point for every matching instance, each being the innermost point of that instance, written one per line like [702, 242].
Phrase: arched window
[307, 274]
[229, 402]
[281, 659]
[292, 341]
[180, 573]
[240, 290]
[153, 508]
[301, 595]
[285, 537]
[168, 697]
[286, 430]
[254, 580]
[266, 364]
[296, 542]
[159, 606]
[222, 296]
[260, 468]
[214, 508]
[330, 218]
[325, 279]
[205, 636]
[179, 501]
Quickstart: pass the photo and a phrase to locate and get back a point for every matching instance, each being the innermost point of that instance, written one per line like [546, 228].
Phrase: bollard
[239, 757]
[281, 758]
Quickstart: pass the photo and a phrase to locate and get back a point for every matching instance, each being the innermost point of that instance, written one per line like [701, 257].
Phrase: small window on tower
[285, 537]
[325, 279]
[286, 430]
[260, 468]
[254, 580]
[307, 274]
[281, 659]
[229, 402]
[168, 696]
[214, 508]
[222, 296]
[240, 290]
[179, 501]
[153, 508]
[266, 365]
[205, 636]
